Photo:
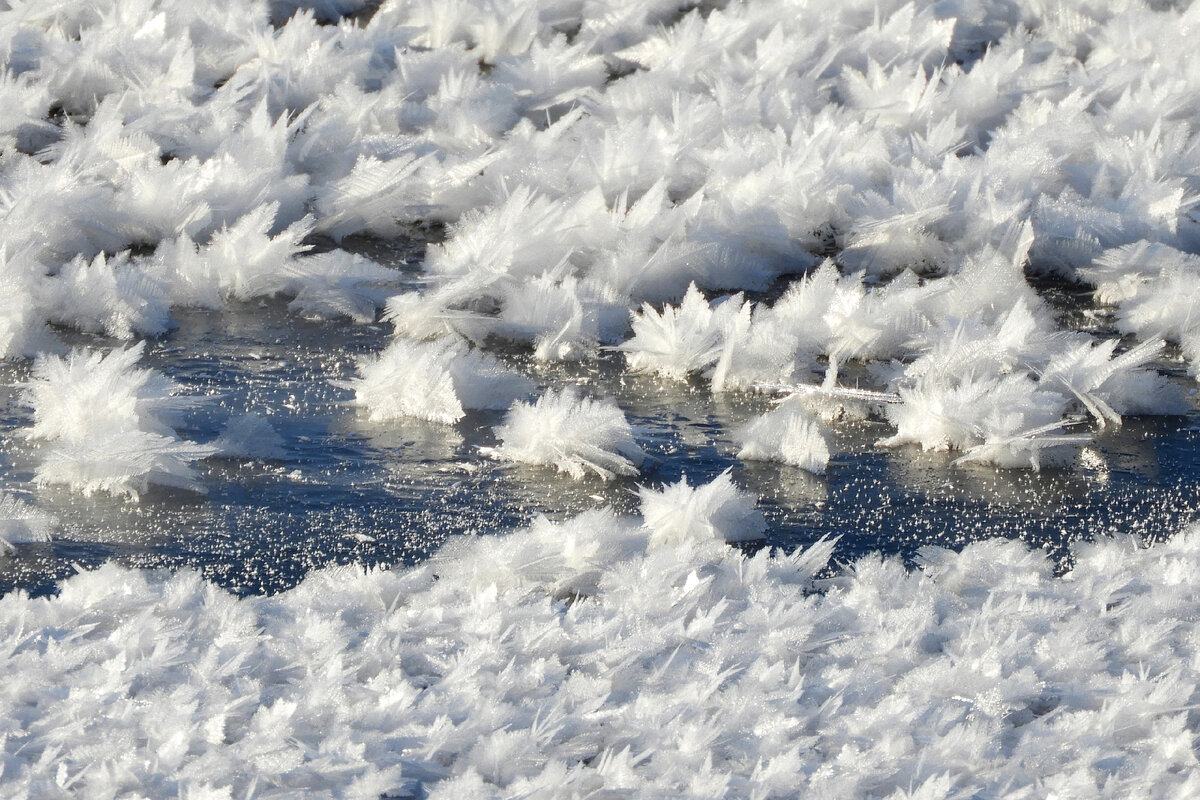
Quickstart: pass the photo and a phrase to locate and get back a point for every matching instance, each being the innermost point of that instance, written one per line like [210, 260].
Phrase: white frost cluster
[1003, 392]
[107, 423]
[435, 381]
[788, 434]
[590, 657]
[718, 511]
[1156, 289]
[573, 433]
[21, 523]
[685, 340]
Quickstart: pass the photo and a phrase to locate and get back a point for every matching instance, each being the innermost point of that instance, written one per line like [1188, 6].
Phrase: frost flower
[789, 435]
[435, 381]
[716, 510]
[108, 423]
[574, 434]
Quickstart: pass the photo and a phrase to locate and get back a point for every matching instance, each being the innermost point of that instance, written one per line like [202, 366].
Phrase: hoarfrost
[572, 433]
[594, 654]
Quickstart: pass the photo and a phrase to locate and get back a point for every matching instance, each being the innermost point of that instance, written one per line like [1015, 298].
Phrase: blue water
[351, 491]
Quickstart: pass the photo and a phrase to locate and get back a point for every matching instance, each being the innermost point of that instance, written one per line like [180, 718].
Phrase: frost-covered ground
[599, 658]
[285, 284]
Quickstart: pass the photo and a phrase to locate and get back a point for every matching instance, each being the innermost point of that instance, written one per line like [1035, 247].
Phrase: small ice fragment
[21, 523]
[249, 436]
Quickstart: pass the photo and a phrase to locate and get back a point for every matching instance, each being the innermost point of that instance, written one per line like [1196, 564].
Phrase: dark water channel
[350, 491]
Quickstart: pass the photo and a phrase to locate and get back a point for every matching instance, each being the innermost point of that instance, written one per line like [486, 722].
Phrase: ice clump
[23, 331]
[564, 319]
[1109, 386]
[85, 392]
[108, 423]
[717, 510]
[246, 260]
[961, 415]
[573, 433]
[788, 434]
[108, 296]
[249, 436]
[784, 339]
[21, 523]
[684, 340]
[436, 381]
[1156, 289]
[1003, 390]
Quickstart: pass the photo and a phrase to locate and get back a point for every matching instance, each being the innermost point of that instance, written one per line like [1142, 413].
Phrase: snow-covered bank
[595, 658]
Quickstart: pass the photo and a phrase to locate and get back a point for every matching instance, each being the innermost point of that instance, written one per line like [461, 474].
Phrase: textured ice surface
[273, 272]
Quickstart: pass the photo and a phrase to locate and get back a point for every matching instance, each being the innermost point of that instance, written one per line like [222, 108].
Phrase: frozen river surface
[347, 490]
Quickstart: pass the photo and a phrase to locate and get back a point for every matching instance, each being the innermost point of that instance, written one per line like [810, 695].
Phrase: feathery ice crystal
[788, 434]
[573, 433]
[108, 423]
[687, 339]
[435, 381]
[21, 522]
[717, 510]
